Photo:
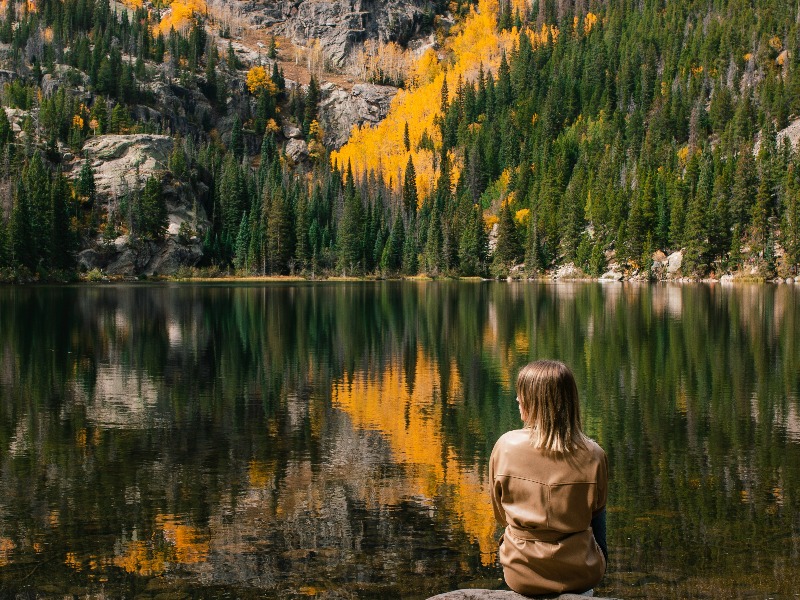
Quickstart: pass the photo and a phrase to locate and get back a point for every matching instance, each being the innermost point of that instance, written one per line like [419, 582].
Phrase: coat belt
[537, 535]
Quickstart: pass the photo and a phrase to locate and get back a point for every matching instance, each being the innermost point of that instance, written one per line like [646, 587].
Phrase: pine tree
[473, 243]
[433, 244]
[694, 260]
[410, 262]
[64, 243]
[392, 257]
[350, 237]
[410, 188]
[242, 244]
[790, 226]
[279, 233]
[37, 191]
[23, 253]
[508, 250]
[152, 214]
[303, 248]
[760, 212]
[312, 99]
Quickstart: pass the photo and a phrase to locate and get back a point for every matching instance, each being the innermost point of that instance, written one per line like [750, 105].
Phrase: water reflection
[295, 440]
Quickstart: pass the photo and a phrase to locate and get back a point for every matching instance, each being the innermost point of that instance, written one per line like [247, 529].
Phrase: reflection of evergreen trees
[689, 389]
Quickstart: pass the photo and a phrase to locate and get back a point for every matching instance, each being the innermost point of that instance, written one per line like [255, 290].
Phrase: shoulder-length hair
[548, 395]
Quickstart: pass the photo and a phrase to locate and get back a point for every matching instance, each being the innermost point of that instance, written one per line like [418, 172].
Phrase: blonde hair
[548, 396]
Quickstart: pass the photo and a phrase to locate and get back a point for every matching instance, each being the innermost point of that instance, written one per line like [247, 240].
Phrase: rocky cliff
[340, 25]
[121, 164]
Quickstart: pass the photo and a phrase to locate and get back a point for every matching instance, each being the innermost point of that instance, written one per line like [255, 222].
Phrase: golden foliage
[775, 43]
[380, 148]
[272, 126]
[179, 15]
[589, 22]
[258, 80]
[522, 216]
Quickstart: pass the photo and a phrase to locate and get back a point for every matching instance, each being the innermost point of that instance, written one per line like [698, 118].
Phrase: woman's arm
[496, 491]
[599, 531]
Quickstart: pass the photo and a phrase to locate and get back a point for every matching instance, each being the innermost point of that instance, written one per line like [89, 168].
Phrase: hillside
[526, 137]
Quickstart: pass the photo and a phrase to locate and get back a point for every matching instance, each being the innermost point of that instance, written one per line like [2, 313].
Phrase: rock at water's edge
[502, 595]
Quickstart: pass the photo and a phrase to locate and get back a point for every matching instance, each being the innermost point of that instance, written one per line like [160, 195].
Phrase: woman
[549, 486]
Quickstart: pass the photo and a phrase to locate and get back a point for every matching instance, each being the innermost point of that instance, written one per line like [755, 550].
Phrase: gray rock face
[674, 262]
[340, 110]
[122, 164]
[297, 150]
[340, 25]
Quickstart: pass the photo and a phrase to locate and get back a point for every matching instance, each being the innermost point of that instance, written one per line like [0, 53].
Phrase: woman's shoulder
[514, 437]
[595, 451]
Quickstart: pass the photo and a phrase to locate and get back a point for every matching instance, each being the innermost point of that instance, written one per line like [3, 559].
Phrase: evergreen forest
[533, 135]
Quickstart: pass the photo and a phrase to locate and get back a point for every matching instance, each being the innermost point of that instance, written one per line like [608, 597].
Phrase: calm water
[332, 440]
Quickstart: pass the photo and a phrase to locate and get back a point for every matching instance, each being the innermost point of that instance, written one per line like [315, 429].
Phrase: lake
[331, 440]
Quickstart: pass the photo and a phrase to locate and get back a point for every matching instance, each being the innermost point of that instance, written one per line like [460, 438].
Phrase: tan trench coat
[546, 500]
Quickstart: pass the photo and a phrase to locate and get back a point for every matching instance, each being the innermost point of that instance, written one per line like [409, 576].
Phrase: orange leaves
[381, 149]
[426, 69]
[589, 22]
[179, 15]
[258, 80]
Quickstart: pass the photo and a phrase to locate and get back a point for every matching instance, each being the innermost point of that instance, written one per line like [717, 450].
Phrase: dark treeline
[650, 127]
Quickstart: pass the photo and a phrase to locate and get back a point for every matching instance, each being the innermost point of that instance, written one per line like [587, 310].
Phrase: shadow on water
[332, 439]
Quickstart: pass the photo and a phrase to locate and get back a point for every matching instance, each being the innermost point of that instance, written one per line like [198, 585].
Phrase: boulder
[340, 110]
[297, 150]
[569, 271]
[674, 262]
[611, 276]
[502, 595]
[290, 132]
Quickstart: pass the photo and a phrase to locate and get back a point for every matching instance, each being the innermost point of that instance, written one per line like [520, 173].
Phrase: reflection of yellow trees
[6, 547]
[410, 417]
[174, 542]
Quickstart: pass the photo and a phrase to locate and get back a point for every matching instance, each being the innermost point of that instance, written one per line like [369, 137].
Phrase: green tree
[392, 257]
[279, 232]
[152, 217]
[508, 250]
[350, 237]
[63, 236]
[433, 244]
[410, 188]
[37, 191]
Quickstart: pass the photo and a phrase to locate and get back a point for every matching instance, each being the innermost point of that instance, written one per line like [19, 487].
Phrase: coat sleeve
[496, 489]
[601, 487]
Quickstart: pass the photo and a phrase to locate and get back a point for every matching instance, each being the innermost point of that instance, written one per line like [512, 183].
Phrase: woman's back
[547, 501]
[549, 486]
